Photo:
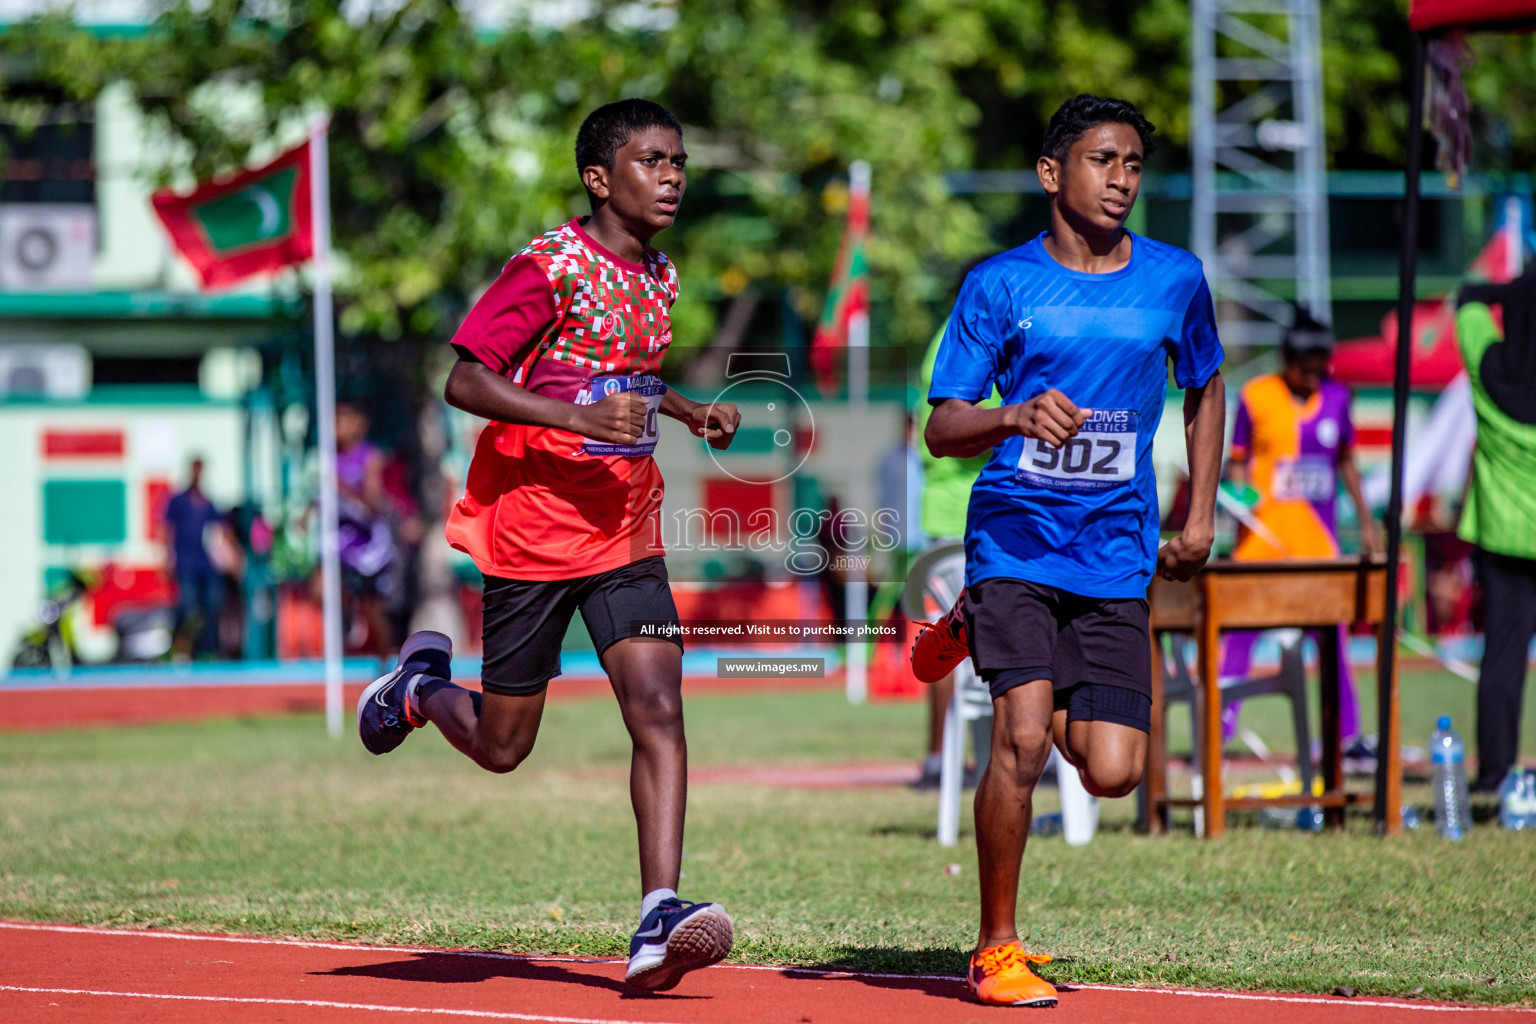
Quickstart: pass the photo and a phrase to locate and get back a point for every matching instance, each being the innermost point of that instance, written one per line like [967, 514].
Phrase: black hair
[609, 127]
[1305, 337]
[1080, 113]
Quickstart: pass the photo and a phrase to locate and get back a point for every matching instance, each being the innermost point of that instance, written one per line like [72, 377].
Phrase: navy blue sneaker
[383, 720]
[675, 938]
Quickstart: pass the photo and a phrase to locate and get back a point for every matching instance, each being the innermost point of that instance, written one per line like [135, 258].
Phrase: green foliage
[451, 143]
[787, 99]
[427, 192]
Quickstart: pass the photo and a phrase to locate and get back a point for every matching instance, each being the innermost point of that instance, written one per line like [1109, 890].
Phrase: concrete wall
[156, 443]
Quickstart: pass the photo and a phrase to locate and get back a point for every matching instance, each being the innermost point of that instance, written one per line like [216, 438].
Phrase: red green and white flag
[257, 221]
[849, 292]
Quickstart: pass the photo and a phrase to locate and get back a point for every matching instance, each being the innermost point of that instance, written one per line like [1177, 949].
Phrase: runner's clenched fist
[1051, 417]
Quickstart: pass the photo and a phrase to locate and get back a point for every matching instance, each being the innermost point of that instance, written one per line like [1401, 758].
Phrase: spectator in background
[367, 545]
[190, 519]
[1294, 444]
[1500, 515]
[407, 528]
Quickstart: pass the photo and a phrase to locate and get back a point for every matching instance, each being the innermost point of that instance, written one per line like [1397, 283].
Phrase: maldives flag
[849, 293]
[257, 221]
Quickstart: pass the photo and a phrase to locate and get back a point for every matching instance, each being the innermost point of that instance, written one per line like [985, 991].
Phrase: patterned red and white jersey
[614, 312]
[536, 506]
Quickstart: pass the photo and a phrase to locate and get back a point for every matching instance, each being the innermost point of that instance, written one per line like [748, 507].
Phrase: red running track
[53, 974]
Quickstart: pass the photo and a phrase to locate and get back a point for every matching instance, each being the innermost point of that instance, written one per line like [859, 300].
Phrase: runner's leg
[1021, 743]
[1101, 722]
[497, 734]
[524, 623]
[647, 677]
[674, 936]
[1109, 756]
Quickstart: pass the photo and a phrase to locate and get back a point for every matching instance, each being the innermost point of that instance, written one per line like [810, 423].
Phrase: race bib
[1304, 478]
[648, 386]
[1102, 455]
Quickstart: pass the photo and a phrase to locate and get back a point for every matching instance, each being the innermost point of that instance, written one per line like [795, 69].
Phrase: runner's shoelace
[998, 959]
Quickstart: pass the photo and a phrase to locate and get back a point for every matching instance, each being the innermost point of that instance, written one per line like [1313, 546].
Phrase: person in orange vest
[1294, 444]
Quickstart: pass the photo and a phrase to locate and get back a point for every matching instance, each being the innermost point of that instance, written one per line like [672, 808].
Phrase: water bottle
[1045, 825]
[1453, 818]
[1276, 818]
[1517, 800]
[1307, 819]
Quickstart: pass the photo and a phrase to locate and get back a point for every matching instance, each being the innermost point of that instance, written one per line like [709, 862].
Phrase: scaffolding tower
[1259, 208]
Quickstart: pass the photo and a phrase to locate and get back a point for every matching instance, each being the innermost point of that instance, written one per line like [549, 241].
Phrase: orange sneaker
[941, 646]
[1000, 976]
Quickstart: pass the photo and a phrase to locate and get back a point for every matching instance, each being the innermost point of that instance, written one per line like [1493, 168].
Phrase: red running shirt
[535, 506]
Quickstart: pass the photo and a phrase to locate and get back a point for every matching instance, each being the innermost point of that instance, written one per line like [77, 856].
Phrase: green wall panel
[85, 511]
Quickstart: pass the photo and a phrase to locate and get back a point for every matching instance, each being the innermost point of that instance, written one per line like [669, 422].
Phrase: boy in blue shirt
[1076, 329]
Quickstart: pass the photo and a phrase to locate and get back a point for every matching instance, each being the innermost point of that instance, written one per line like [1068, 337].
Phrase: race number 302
[1102, 455]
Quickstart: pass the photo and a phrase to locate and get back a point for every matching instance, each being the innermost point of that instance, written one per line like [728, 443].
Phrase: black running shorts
[1097, 652]
[525, 620]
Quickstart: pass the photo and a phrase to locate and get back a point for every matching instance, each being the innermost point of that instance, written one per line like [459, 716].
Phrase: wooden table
[1267, 595]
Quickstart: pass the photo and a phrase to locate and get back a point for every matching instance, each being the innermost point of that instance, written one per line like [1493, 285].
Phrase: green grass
[265, 826]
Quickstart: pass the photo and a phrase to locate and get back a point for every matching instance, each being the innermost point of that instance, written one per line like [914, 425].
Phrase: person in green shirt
[946, 495]
[1500, 514]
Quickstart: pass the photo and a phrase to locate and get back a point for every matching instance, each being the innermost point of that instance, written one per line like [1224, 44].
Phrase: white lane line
[302, 943]
[323, 1003]
[420, 950]
[826, 972]
[1314, 1000]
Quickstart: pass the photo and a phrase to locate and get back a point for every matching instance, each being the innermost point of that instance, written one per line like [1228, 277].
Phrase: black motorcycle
[143, 634]
[49, 642]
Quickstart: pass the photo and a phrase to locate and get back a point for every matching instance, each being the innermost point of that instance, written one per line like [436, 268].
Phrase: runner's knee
[653, 710]
[503, 757]
[1021, 753]
[1111, 780]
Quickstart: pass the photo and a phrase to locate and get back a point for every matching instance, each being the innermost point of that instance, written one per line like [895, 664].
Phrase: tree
[451, 142]
[433, 171]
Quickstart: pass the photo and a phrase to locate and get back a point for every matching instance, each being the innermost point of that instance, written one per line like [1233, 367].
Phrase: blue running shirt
[1082, 518]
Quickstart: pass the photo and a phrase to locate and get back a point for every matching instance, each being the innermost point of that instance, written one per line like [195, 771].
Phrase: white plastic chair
[934, 583]
[1289, 680]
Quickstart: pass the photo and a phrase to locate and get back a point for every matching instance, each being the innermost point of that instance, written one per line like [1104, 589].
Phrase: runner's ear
[595, 178]
[1049, 172]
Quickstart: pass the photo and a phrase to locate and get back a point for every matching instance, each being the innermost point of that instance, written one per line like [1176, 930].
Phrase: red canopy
[1450, 14]
[1436, 358]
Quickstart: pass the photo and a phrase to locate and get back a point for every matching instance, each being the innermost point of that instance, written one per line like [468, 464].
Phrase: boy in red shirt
[562, 507]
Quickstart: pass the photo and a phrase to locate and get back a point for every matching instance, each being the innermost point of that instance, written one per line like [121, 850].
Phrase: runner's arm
[715, 422]
[1370, 537]
[1205, 416]
[481, 391]
[960, 429]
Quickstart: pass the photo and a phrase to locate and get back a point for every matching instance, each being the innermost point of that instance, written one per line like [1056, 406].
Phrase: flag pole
[856, 589]
[325, 410]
